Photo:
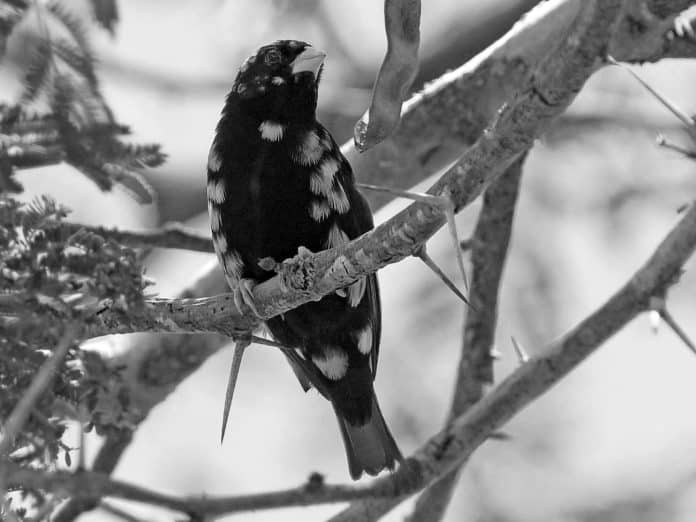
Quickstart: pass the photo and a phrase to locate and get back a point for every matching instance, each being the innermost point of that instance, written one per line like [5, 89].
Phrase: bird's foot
[243, 296]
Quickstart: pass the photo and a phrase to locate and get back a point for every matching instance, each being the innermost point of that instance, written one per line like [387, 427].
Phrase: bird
[277, 184]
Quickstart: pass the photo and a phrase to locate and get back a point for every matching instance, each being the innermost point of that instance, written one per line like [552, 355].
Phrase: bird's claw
[243, 296]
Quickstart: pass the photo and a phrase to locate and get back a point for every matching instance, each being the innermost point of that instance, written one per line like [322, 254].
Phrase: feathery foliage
[48, 280]
[80, 128]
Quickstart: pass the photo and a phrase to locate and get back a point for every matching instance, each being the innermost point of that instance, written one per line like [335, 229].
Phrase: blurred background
[615, 441]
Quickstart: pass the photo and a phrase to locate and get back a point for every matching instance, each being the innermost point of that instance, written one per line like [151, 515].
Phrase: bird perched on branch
[277, 182]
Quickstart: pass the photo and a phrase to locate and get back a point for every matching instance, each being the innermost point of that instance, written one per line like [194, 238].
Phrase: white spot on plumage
[365, 340]
[333, 363]
[233, 265]
[338, 200]
[271, 131]
[356, 291]
[215, 217]
[216, 191]
[220, 244]
[277, 80]
[214, 160]
[319, 210]
[321, 181]
[336, 237]
[310, 150]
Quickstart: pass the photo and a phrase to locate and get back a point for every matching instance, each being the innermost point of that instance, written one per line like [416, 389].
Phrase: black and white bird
[277, 181]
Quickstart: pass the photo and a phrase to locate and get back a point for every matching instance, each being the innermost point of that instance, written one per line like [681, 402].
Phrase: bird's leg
[243, 295]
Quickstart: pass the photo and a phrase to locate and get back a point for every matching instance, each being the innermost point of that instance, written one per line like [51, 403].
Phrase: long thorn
[687, 120]
[416, 196]
[423, 256]
[662, 142]
[672, 323]
[442, 202]
[522, 354]
[452, 225]
[239, 348]
[267, 342]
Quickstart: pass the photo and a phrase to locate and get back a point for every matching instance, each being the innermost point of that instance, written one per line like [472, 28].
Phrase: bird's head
[280, 81]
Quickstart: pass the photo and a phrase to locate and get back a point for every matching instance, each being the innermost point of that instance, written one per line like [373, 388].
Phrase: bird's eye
[272, 58]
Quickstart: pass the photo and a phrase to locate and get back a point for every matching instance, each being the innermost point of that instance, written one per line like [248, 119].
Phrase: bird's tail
[369, 447]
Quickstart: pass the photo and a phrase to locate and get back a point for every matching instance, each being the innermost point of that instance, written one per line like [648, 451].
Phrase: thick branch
[456, 442]
[489, 251]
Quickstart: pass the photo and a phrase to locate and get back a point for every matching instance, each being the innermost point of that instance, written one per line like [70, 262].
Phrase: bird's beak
[310, 60]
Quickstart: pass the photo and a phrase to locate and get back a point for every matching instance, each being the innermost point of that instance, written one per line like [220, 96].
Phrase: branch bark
[489, 250]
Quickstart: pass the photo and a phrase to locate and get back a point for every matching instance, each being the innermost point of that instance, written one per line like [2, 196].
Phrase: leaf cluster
[49, 279]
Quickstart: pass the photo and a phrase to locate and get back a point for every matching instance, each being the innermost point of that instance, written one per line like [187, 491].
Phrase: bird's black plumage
[278, 181]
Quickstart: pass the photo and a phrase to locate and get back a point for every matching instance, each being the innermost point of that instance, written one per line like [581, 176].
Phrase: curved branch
[488, 254]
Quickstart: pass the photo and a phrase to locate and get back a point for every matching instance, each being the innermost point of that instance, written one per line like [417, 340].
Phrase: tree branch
[490, 245]
[455, 443]
[171, 235]
[450, 447]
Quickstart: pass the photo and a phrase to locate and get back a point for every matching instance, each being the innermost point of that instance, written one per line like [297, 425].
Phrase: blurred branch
[490, 239]
[435, 126]
[450, 447]
[171, 235]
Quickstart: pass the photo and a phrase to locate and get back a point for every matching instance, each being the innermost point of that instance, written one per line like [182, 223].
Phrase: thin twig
[171, 235]
[14, 423]
[43, 378]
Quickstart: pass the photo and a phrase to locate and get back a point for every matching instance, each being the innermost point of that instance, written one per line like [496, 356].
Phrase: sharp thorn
[437, 201]
[522, 354]
[267, 342]
[687, 120]
[672, 323]
[452, 226]
[423, 256]
[239, 347]
[662, 142]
